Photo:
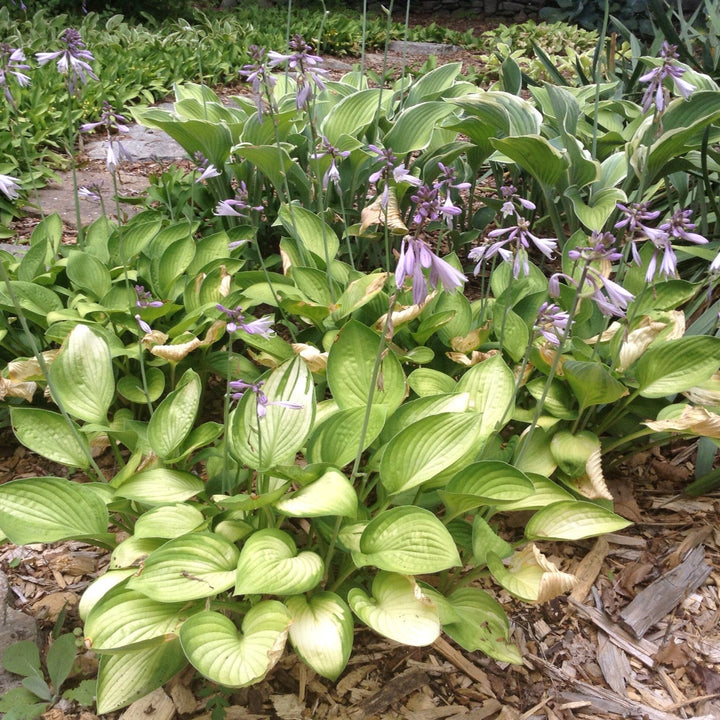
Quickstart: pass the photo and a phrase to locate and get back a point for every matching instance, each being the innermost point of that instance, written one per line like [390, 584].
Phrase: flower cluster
[656, 91]
[73, 61]
[145, 298]
[12, 62]
[112, 123]
[237, 206]
[256, 73]
[236, 320]
[332, 174]
[304, 66]
[9, 186]
[552, 322]
[240, 387]
[207, 169]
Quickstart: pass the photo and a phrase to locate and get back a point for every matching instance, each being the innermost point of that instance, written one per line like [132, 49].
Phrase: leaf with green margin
[397, 610]
[536, 156]
[426, 448]
[273, 439]
[592, 383]
[269, 564]
[235, 659]
[321, 632]
[485, 540]
[350, 369]
[431, 85]
[486, 482]
[309, 230]
[407, 539]
[412, 129]
[131, 387]
[572, 451]
[125, 619]
[558, 399]
[124, 678]
[511, 329]
[677, 365]
[173, 419]
[351, 115]
[194, 566]
[426, 381]
[358, 293]
[160, 486]
[50, 509]
[546, 492]
[136, 235]
[482, 625]
[132, 551]
[99, 587]
[331, 494]
[491, 386]
[48, 434]
[594, 214]
[87, 273]
[423, 407]
[573, 520]
[35, 300]
[532, 454]
[271, 160]
[82, 375]
[172, 264]
[336, 440]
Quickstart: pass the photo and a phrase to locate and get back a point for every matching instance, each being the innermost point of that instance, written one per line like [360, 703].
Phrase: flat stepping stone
[423, 48]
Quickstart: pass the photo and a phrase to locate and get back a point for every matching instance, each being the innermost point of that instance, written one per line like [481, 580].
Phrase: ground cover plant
[369, 322]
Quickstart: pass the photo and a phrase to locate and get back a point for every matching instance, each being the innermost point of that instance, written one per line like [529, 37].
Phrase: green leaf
[677, 365]
[413, 127]
[331, 494]
[131, 387]
[50, 509]
[397, 610]
[124, 678]
[336, 440]
[350, 369]
[60, 659]
[21, 704]
[230, 658]
[537, 156]
[135, 236]
[431, 85]
[269, 564]
[592, 383]
[321, 632]
[37, 301]
[427, 448]
[309, 230]
[89, 274]
[546, 492]
[173, 419]
[573, 520]
[98, 587]
[594, 214]
[273, 438]
[408, 539]
[491, 386]
[410, 412]
[351, 115]
[487, 482]
[124, 619]
[485, 540]
[190, 567]
[83, 376]
[161, 486]
[168, 521]
[22, 658]
[426, 381]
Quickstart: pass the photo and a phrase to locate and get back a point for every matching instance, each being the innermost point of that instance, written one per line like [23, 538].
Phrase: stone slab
[422, 48]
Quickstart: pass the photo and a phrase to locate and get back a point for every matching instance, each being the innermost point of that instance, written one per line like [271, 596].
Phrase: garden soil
[591, 655]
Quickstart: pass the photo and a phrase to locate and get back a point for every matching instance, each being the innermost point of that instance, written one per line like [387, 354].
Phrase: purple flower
[332, 174]
[240, 387]
[262, 326]
[110, 121]
[415, 255]
[12, 61]
[144, 298]
[600, 247]
[613, 301]
[656, 90]
[237, 206]
[518, 235]
[552, 322]
[9, 186]
[143, 325]
[679, 226]
[90, 193]
[447, 179]
[261, 81]
[73, 61]
[305, 69]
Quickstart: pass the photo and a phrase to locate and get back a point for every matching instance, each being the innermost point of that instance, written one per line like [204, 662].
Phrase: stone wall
[515, 9]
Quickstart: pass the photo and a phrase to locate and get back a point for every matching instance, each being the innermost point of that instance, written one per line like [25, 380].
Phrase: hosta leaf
[573, 520]
[485, 540]
[48, 509]
[536, 155]
[131, 387]
[545, 493]
[488, 482]
[274, 438]
[269, 564]
[48, 434]
[426, 448]
[350, 369]
[413, 128]
[594, 215]
[336, 440]
[592, 384]
[168, 521]
[230, 658]
[350, 115]
[310, 230]
[161, 486]
[677, 365]
[173, 419]
[188, 568]
[331, 494]
[99, 587]
[408, 539]
[125, 619]
[124, 678]
[321, 632]
[426, 381]
[397, 610]
[410, 412]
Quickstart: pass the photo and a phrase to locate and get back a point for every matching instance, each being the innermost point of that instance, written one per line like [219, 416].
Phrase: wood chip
[488, 708]
[589, 568]
[393, 691]
[464, 665]
[613, 663]
[155, 706]
[664, 594]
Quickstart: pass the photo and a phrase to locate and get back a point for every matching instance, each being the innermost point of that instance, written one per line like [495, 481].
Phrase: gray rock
[14, 626]
[422, 48]
[142, 143]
